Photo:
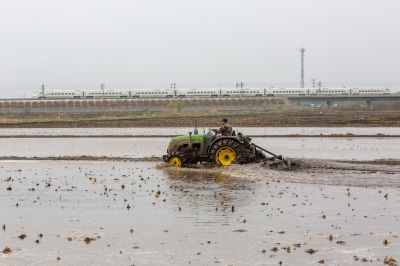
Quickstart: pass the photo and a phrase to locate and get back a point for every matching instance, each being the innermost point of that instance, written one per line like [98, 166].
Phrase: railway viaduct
[20, 106]
[329, 101]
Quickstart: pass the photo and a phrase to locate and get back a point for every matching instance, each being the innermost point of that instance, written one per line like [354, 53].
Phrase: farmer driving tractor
[225, 129]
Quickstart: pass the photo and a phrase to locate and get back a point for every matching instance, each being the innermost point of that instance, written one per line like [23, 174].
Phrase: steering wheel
[212, 131]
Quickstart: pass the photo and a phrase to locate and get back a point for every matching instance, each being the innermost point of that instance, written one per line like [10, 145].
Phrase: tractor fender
[221, 138]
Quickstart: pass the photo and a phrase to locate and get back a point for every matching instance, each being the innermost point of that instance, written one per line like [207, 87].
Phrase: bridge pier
[369, 104]
[328, 104]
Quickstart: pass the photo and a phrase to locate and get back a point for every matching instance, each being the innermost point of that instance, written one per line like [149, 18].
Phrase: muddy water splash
[378, 173]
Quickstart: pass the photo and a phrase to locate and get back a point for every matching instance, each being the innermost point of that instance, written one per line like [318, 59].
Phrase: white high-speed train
[205, 92]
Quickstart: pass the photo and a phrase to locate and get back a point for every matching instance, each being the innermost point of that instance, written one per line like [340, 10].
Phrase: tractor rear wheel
[225, 152]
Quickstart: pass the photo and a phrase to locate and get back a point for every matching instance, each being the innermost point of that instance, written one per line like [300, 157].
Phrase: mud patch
[323, 166]
[328, 172]
[380, 162]
[282, 164]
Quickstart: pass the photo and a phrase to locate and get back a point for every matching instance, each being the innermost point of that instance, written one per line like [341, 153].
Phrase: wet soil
[298, 118]
[375, 173]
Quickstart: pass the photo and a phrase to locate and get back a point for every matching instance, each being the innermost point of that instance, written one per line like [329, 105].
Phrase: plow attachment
[276, 161]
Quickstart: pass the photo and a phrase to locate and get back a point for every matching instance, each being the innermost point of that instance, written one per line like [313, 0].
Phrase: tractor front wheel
[176, 159]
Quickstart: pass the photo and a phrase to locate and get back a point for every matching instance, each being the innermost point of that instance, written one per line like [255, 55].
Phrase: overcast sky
[86, 42]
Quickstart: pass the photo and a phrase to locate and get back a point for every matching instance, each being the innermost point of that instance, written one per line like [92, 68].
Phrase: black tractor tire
[190, 156]
[229, 144]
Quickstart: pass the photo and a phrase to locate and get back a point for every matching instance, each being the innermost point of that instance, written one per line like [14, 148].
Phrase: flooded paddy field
[339, 207]
[135, 213]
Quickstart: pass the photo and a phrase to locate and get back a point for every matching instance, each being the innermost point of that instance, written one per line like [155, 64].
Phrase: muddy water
[255, 131]
[321, 148]
[194, 219]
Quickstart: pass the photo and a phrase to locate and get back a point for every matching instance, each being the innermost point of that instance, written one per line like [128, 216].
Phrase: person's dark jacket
[225, 130]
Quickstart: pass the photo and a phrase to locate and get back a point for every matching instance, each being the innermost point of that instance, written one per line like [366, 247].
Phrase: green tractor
[213, 148]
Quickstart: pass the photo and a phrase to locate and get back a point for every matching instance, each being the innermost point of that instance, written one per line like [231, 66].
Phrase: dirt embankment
[304, 118]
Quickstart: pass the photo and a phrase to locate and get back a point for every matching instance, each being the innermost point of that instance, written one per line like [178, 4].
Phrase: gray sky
[152, 42]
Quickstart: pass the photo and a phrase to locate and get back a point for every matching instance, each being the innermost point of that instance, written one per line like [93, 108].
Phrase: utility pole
[102, 90]
[173, 88]
[240, 85]
[302, 50]
[313, 83]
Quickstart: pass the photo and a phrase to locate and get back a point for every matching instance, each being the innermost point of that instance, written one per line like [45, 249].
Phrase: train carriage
[286, 91]
[156, 93]
[109, 94]
[198, 93]
[333, 91]
[253, 92]
[370, 91]
[59, 94]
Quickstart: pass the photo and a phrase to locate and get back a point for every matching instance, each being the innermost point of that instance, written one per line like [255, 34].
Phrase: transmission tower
[302, 50]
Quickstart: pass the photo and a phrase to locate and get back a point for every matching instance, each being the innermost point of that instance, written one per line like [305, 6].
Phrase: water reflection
[207, 196]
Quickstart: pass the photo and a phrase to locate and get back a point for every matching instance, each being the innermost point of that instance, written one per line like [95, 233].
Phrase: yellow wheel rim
[225, 156]
[175, 160]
